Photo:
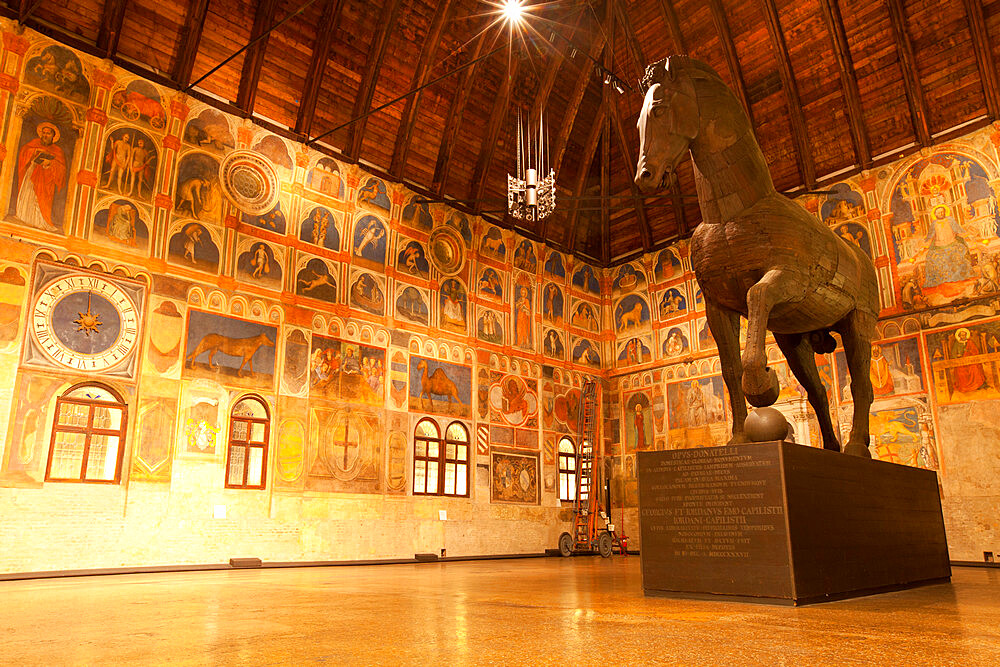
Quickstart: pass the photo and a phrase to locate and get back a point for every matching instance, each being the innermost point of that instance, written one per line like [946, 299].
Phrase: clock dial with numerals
[85, 322]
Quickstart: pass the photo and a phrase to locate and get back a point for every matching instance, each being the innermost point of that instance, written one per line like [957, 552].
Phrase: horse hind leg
[760, 384]
[725, 327]
[857, 331]
[798, 351]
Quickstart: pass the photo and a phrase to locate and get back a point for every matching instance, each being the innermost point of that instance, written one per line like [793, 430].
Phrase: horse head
[668, 121]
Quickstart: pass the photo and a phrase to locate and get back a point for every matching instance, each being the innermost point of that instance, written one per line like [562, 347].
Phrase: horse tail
[822, 342]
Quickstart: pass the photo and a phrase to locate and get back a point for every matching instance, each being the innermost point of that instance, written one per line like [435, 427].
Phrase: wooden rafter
[908, 67]
[673, 25]
[589, 150]
[253, 60]
[572, 108]
[803, 151]
[481, 174]
[409, 118]
[386, 23]
[551, 74]
[984, 55]
[190, 37]
[111, 27]
[631, 43]
[317, 65]
[726, 39]
[608, 63]
[575, 98]
[615, 115]
[454, 121]
[838, 35]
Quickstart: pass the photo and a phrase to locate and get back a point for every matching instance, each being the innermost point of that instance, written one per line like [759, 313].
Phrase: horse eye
[658, 111]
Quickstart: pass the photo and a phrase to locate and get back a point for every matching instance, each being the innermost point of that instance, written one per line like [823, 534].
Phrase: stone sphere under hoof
[765, 424]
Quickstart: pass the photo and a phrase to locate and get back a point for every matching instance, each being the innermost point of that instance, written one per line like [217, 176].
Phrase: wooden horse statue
[756, 253]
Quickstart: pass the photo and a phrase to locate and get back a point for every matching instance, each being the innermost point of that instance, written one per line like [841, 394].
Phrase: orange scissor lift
[592, 531]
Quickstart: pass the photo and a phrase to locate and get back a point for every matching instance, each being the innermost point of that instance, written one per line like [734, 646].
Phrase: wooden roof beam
[317, 65]
[984, 55]
[482, 171]
[253, 60]
[849, 81]
[639, 59]
[726, 38]
[409, 118]
[673, 25]
[575, 98]
[112, 18]
[454, 121]
[589, 150]
[386, 23]
[549, 80]
[187, 46]
[908, 67]
[803, 150]
[572, 108]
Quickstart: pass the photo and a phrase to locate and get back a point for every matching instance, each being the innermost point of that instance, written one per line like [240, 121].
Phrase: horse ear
[670, 72]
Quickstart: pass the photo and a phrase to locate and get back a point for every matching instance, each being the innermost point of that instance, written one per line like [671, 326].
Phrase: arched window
[567, 470]
[246, 456]
[456, 460]
[88, 436]
[440, 467]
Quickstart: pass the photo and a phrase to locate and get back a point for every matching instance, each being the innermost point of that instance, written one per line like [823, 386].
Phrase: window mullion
[86, 443]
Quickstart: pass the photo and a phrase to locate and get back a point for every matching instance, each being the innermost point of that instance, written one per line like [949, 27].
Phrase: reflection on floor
[573, 611]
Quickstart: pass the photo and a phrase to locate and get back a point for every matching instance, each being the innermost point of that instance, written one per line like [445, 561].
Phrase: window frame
[441, 462]
[89, 431]
[248, 444]
[570, 473]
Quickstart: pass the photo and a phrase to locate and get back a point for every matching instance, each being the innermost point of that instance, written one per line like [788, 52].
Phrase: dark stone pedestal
[782, 523]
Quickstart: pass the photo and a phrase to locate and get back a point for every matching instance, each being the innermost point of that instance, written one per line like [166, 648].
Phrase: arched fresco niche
[321, 227]
[412, 259]
[122, 224]
[417, 213]
[129, 164]
[943, 230]
[325, 177]
[140, 102]
[45, 151]
[192, 245]
[373, 194]
[209, 131]
[59, 71]
[198, 193]
[370, 236]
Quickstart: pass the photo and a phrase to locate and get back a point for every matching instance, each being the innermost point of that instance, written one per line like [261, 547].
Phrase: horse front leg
[857, 330]
[725, 327]
[760, 384]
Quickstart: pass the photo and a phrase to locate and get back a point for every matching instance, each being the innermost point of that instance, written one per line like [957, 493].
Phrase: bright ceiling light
[512, 11]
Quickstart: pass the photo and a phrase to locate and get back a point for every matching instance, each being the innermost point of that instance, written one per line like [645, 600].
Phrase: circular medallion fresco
[250, 182]
[447, 251]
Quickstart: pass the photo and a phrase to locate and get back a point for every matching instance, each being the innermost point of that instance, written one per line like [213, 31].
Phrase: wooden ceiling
[833, 87]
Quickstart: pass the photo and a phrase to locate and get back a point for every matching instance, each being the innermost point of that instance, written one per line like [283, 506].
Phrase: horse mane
[696, 69]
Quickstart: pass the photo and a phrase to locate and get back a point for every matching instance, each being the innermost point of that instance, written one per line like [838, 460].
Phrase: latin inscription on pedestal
[713, 521]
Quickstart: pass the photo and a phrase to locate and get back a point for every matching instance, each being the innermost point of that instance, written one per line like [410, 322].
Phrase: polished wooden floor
[575, 611]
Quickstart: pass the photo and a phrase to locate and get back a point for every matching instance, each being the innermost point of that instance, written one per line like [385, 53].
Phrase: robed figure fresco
[41, 173]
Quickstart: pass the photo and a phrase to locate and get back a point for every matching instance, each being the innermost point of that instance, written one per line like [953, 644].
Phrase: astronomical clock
[84, 322]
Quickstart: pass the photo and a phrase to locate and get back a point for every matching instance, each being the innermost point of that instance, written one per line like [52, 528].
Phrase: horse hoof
[857, 449]
[761, 389]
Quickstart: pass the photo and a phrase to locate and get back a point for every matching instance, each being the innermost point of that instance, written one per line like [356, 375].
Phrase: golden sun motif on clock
[85, 322]
[88, 321]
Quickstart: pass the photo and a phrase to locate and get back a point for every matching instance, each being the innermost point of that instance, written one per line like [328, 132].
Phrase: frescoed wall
[350, 311]
[930, 223]
[288, 344]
